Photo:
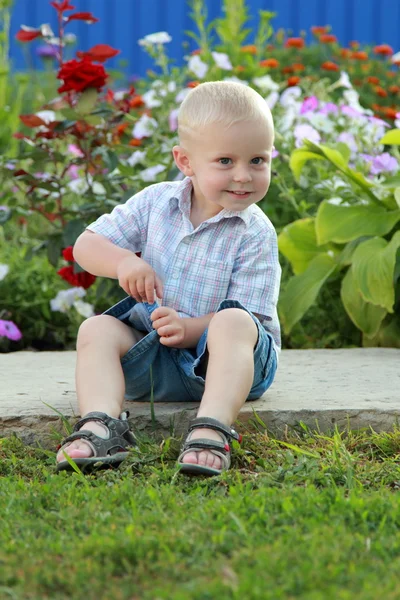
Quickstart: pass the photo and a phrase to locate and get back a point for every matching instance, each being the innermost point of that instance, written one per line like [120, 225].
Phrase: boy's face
[230, 167]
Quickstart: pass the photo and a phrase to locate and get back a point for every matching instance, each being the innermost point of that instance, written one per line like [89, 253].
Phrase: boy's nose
[242, 175]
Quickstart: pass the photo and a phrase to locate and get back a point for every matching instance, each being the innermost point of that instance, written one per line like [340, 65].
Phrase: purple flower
[329, 108]
[275, 153]
[384, 163]
[348, 138]
[310, 103]
[350, 112]
[47, 51]
[306, 132]
[9, 330]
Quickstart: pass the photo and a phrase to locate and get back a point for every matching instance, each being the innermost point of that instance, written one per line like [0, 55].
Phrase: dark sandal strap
[206, 444]
[209, 423]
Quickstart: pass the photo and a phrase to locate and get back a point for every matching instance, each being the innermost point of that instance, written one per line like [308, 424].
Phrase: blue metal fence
[123, 22]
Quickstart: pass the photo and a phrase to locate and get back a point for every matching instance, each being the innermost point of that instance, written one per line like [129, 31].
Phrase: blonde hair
[224, 102]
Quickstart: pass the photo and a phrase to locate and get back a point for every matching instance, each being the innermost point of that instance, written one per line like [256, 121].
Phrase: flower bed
[94, 145]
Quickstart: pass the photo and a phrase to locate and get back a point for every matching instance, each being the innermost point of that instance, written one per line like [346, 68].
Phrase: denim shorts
[178, 375]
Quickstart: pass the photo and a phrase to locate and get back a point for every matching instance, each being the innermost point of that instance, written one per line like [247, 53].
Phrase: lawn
[312, 516]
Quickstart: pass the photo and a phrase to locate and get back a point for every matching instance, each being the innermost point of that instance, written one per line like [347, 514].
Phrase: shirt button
[185, 240]
[175, 275]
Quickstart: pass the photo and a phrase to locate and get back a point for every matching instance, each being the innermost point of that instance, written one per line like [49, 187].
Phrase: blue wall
[123, 22]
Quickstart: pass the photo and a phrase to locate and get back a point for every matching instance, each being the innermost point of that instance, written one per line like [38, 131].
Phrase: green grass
[311, 516]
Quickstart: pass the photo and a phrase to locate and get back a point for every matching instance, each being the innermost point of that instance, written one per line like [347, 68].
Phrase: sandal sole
[192, 469]
[94, 463]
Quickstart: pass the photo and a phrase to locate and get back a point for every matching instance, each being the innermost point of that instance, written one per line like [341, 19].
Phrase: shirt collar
[182, 198]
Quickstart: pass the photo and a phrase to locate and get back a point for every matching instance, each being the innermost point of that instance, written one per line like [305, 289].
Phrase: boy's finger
[149, 289]
[159, 287]
[161, 311]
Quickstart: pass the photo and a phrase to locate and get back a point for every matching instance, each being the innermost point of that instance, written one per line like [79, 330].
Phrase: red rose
[79, 75]
[82, 279]
[67, 254]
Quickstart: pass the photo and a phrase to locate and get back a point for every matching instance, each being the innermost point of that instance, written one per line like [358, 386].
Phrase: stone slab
[353, 388]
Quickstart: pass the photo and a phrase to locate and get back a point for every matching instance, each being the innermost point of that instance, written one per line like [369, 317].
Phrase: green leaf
[72, 231]
[388, 335]
[298, 243]
[54, 247]
[391, 137]
[87, 101]
[365, 316]
[302, 290]
[373, 270]
[298, 159]
[346, 255]
[340, 224]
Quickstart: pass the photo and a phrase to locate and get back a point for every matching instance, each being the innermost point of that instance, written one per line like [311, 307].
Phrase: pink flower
[309, 104]
[73, 149]
[9, 330]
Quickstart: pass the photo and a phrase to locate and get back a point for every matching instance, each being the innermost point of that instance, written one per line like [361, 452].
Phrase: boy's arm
[97, 255]
[194, 329]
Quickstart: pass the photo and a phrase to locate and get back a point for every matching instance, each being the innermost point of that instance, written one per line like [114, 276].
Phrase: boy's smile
[230, 166]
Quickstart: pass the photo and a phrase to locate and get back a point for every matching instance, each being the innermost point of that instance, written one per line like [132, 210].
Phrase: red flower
[272, 63]
[67, 254]
[384, 50]
[82, 16]
[345, 52]
[296, 42]
[81, 75]
[99, 53]
[27, 35]
[82, 279]
[317, 30]
[62, 6]
[328, 38]
[329, 66]
[380, 91]
[360, 55]
[297, 67]
[293, 80]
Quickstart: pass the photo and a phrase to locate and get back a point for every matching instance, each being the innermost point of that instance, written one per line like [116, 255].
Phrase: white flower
[352, 99]
[137, 157]
[46, 115]
[151, 173]
[81, 185]
[272, 99]
[182, 95]
[84, 308]
[288, 97]
[119, 94]
[266, 83]
[197, 66]
[395, 57]
[344, 81]
[66, 298]
[4, 269]
[144, 127]
[222, 60]
[320, 122]
[397, 121]
[161, 37]
[150, 99]
[235, 79]
[173, 119]
[337, 201]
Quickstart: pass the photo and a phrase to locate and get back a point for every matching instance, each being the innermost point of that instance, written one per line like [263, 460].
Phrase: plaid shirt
[232, 255]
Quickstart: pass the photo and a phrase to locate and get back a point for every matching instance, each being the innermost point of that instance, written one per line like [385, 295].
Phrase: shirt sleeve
[127, 224]
[256, 274]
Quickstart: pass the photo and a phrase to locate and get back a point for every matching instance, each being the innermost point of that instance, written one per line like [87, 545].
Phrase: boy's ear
[182, 160]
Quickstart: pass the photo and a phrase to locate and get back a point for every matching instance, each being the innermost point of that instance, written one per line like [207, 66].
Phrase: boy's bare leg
[231, 339]
[100, 386]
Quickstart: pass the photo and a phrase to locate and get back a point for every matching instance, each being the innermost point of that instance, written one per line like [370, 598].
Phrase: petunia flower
[66, 298]
[84, 308]
[151, 173]
[309, 104]
[4, 269]
[266, 83]
[161, 37]
[9, 330]
[222, 60]
[173, 119]
[349, 140]
[384, 163]
[144, 127]
[290, 95]
[302, 132]
[197, 66]
[137, 157]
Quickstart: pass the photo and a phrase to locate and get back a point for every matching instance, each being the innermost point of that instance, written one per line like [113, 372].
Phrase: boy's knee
[232, 318]
[94, 327]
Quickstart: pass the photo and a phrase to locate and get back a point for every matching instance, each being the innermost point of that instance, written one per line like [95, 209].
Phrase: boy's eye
[224, 161]
[258, 160]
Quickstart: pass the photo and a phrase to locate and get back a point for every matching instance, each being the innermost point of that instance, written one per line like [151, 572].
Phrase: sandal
[107, 452]
[221, 449]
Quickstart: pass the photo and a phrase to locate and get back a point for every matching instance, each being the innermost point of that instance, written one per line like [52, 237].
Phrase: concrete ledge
[352, 387]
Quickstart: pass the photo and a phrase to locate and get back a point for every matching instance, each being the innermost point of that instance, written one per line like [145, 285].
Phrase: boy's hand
[138, 279]
[169, 326]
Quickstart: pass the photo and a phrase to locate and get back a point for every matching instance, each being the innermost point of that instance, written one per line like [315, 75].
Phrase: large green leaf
[87, 101]
[341, 224]
[298, 159]
[391, 137]
[302, 290]
[298, 243]
[365, 316]
[373, 270]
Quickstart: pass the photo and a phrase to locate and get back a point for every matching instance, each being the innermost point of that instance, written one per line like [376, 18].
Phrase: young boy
[201, 305]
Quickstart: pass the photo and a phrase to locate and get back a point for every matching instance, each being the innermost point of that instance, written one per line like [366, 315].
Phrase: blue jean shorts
[178, 375]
